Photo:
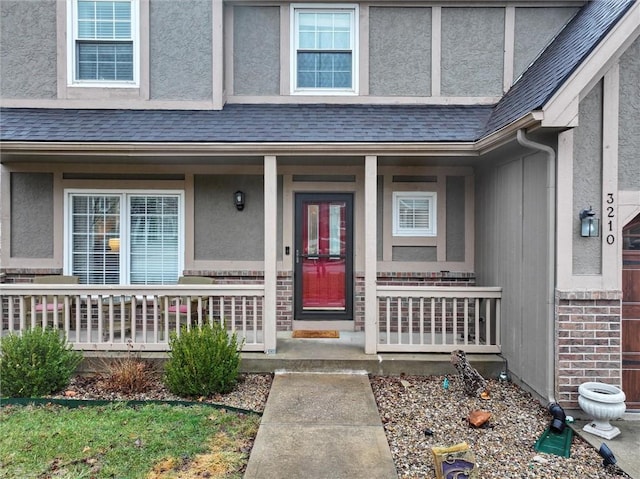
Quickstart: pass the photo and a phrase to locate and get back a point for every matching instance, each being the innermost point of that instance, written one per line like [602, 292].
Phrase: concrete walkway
[625, 447]
[318, 426]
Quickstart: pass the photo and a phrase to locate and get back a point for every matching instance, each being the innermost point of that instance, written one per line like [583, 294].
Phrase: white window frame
[125, 224]
[72, 38]
[324, 8]
[431, 230]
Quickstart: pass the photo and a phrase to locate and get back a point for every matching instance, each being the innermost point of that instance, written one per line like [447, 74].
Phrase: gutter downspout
[551, 256]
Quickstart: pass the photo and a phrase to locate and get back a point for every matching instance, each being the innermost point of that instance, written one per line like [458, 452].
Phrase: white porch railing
[438, 319]
[138, 318]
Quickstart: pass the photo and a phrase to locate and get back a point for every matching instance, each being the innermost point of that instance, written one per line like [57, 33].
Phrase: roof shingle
[558, 61]
[249, 123]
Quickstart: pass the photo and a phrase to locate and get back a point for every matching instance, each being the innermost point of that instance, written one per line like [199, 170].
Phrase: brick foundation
[588, 341]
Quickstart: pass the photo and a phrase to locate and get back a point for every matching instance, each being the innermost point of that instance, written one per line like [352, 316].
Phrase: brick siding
[588, 341]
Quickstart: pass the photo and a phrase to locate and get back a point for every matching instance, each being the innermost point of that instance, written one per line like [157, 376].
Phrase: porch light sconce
[238, 200]
[589, 225]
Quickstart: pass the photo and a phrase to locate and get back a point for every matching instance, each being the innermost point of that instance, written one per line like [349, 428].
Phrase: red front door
[323, 256]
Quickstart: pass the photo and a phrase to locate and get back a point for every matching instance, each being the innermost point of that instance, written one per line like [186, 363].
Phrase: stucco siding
[472, 51]
[534, 29]
[31, 215]
[256, 51]
[180, 50]
[629, 124]
[414, 253]
[587, 180]
[222, 233]
[28, 49]
[400, 51]
[455, 218]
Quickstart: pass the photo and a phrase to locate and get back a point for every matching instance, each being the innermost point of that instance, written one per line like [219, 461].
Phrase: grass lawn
[116, 441]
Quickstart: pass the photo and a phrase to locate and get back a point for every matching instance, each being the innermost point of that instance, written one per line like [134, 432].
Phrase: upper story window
[414, 213]
[324, 53]
[104, 44]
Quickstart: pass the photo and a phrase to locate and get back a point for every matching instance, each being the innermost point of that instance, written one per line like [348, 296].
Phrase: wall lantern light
[589, 225]
[238, 200]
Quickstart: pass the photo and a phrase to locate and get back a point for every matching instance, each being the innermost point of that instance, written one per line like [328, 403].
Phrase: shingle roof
[250, 123]
[329, 123]
[558, 61]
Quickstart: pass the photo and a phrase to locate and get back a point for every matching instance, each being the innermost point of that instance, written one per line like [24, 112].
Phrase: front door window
[323, 257]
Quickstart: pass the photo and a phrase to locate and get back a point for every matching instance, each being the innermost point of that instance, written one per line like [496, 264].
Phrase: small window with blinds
[324, 53]
[124, 238]
[414, 213]
[104, 41]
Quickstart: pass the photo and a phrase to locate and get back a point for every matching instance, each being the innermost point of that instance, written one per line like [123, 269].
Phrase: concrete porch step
[347, 354]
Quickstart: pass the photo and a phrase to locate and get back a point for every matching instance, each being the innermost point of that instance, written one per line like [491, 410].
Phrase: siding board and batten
[511, 234]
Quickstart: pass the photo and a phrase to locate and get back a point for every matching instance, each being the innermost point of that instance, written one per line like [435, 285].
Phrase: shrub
[128, 375]
[36, 363]
[202, 361]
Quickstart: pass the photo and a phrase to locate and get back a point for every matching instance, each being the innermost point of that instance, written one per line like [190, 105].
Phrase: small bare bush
[129, 375]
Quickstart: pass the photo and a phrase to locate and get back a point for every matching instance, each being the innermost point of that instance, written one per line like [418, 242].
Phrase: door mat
[312, 333]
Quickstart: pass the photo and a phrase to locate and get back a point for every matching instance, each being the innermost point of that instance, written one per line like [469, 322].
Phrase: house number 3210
[610, 238]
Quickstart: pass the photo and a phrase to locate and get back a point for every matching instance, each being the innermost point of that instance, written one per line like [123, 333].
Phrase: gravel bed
[251, 392]
[412, 407]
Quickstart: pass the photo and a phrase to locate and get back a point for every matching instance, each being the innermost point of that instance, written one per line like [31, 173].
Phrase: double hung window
[124, 238]
[104, 42]
[414, 213]
[324, 49]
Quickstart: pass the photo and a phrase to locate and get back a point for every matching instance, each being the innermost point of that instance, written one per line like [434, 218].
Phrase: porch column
[370, 254]
[270, 252]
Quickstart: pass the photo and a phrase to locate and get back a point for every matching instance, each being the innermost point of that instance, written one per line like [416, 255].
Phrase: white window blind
[324, 49]
[95, 231]
[154, 239]
[104, 40]
[125, 238]
[414, 214]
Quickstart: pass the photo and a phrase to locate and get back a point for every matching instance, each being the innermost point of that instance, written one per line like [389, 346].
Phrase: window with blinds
[324, 48]
[414, 213]
[126, 238]
[104, 38]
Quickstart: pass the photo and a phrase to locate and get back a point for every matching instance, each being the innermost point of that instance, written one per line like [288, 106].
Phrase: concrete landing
[625, 447]
[347, 353]
[321, 426]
